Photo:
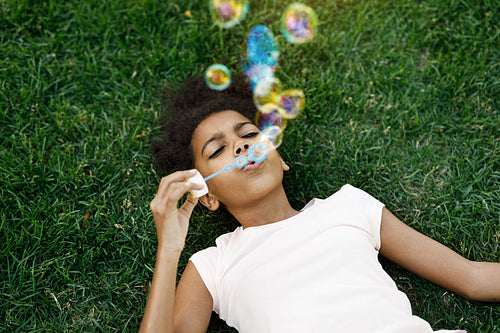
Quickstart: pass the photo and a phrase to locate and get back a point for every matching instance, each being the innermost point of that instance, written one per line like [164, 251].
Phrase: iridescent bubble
[273, 118]
[228, 13]
[273, 135]
[218, 77]
[262, 47]
[270, 107]
[257, 72]
[292, 102]
[299, 23]
[267, 91]
[257, 153]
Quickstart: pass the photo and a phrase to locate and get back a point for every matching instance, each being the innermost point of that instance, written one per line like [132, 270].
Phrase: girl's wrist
[169, 251]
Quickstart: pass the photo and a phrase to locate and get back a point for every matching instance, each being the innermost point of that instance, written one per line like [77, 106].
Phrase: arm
[435, 262]
[161, 314]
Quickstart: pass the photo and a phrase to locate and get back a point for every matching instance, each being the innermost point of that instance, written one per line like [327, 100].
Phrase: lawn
[402, 101]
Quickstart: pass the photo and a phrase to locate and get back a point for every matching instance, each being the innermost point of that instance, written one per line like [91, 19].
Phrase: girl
[282, 270]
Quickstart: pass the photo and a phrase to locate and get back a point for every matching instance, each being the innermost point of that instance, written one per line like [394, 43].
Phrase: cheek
[219, 184]
[204, 166]
[234, 186]
[207, 169]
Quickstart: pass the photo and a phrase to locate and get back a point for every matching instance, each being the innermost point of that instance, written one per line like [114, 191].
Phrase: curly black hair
[185, 108]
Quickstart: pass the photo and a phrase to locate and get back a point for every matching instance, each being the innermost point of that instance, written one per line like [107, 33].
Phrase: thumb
[188, 206]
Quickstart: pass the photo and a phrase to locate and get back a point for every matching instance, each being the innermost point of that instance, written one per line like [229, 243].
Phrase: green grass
[402, 101]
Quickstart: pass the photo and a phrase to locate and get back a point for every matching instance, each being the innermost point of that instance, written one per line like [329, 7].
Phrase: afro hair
[184, 109]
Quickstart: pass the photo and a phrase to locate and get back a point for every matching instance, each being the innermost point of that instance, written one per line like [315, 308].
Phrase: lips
[251, 166]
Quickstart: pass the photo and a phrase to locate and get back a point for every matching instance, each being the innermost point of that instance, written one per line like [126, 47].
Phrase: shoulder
[224, 239]
[354, 207]
[347, 190]
[211, 253]
[354, 192]
[352, 196]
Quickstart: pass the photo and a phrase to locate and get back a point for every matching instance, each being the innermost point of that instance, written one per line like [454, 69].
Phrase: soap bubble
[257, 72]
[291, 103]
[273, 135]
[271, 107]
[267, 91]
[273, 118]
[262, 47]
[257, 153]
[299, 23]
[218, 77]
[228, 13]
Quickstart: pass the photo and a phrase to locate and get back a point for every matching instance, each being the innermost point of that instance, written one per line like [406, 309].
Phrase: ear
[209, 201]
[284, 166]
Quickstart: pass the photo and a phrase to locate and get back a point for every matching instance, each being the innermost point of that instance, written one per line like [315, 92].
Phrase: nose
[240, 147]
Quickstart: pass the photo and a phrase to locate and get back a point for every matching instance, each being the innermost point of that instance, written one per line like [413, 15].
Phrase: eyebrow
[219, 136]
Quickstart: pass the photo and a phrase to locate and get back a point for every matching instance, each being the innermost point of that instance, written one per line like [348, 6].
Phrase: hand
[172, 223]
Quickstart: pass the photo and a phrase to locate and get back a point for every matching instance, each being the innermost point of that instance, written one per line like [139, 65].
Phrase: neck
[273, 208]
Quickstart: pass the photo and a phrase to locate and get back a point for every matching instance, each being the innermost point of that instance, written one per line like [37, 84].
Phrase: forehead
[216, 123]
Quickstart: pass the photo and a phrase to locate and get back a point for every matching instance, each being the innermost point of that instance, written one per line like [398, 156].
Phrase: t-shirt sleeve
[205, 262]
[368, 209]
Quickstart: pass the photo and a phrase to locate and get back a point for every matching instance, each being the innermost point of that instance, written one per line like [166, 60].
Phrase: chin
[256, 194]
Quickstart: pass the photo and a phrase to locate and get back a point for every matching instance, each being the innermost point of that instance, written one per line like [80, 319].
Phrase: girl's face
[216, 142]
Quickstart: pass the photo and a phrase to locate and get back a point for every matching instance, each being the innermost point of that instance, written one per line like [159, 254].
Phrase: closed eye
[217, 152]
[250, 135]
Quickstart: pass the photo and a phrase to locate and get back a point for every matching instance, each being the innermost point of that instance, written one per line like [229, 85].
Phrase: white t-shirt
[314, 272]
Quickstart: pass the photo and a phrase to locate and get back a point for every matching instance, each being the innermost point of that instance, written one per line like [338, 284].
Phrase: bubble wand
[256, 153]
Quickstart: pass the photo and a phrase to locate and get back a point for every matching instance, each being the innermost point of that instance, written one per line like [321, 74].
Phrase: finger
[176, 191]
[188, 206]
[179, 176]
